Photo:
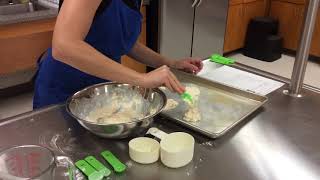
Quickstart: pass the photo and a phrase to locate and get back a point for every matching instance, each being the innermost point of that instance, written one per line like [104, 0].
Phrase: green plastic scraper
[98, 166]
[89, 171]
[117, 165]
[221, 60]
[187, 97]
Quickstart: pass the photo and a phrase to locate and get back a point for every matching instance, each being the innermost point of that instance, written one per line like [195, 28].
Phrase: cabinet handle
[195, 2]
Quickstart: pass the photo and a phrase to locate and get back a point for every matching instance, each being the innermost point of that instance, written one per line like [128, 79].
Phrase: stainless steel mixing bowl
[155, 98]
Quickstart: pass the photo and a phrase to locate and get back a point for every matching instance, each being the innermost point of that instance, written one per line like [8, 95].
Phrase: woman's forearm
[84, 57]
[68, 46]
[147, 56]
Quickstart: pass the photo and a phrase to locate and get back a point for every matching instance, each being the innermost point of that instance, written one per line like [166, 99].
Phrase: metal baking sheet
[221, 106]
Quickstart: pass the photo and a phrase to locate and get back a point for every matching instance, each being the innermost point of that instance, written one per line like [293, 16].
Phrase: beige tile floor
[283, 67]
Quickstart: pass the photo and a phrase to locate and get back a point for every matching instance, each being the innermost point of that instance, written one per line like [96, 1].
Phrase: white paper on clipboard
[239, 79]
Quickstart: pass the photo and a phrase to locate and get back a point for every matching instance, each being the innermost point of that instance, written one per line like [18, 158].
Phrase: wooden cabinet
[250, 1]
[234, 37]
[239, 16]
[315, 46]
[21, 44]
[290, 18]
[235, 2]
[290, 14]
[252, 10]
[129, 62]
[294, 1]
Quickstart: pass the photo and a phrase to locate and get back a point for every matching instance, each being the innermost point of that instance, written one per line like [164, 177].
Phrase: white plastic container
[144, 150]
[176, 149]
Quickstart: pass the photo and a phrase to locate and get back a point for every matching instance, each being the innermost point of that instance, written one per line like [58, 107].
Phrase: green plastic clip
[98, 166]
[117, 165]
[88, 170]
[221, 60]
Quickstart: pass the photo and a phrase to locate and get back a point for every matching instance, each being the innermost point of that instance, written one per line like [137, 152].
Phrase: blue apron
[113, 33]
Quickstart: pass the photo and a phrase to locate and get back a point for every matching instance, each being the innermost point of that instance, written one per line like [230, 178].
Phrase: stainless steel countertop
[279, 141]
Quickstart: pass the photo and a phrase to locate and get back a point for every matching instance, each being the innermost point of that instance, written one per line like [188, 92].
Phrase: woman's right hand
[162, 77]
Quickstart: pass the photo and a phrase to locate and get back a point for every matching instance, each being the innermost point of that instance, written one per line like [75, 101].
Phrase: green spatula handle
[221, 60]
[98, 165]
[88, 170]
[117, 165]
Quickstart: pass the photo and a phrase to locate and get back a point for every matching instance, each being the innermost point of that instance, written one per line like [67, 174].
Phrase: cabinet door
[131, 63]
[21, 44]
[290, 18]
[234, 37]
[315, 46]
[209, 28]
[238, 19]
[252, 10]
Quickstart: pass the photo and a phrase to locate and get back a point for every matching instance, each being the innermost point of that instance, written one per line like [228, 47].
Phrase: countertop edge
[21, 18]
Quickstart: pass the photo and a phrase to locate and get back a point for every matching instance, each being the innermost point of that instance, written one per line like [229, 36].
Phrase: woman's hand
[190, 65]
[162, 76]
[147, 56]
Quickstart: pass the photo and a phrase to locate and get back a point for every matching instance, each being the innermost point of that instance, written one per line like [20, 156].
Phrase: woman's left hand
[190, 65]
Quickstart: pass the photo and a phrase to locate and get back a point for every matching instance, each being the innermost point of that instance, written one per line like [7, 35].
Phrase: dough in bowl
[117, 108]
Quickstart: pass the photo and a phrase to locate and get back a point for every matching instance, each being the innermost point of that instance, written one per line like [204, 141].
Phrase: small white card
[239, 79]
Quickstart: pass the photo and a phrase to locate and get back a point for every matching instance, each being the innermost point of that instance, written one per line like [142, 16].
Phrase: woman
[89, 39]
